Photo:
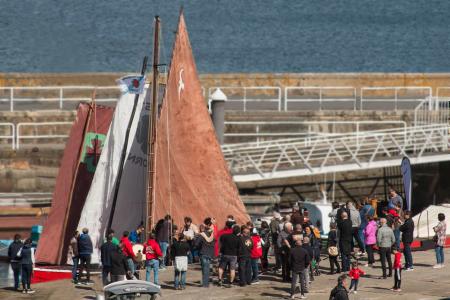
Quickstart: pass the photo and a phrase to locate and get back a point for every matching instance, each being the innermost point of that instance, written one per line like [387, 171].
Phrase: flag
[407, 183]
[132, 84]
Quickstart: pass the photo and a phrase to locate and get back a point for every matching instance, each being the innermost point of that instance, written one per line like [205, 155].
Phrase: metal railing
[263, 96]
[319, 95]
[35, 135]
[57, 96]
[397, 96]
[12, 136]
[321, 154]
[433, 110]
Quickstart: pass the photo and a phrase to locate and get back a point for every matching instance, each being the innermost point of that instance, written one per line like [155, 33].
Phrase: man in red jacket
[152, 252]
[255, 255]
[128, 252]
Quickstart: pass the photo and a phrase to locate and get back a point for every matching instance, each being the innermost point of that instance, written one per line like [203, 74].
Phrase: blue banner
[407, 180]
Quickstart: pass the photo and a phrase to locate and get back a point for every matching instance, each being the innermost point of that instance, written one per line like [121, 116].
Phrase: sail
[192, 177]
[130, 205]
[75, 175]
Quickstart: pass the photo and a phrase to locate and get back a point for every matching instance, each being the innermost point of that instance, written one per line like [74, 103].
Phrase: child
[397, 270]
[354, 274]
[180, 250]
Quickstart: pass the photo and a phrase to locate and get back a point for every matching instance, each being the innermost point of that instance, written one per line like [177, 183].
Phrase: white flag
[132, 84]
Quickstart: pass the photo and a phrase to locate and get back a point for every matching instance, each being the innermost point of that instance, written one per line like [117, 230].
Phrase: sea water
[228, 36]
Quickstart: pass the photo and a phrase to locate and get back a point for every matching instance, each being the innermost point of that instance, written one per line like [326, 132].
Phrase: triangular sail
[192, 177]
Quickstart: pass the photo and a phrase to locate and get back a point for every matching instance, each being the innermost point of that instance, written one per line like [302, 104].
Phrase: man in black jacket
[105, 252]
[119, 264]
[345, 240]
[229, 250]
[245, 267]
[300, 261]
[407, 230]
[340, 292]
[13, 249]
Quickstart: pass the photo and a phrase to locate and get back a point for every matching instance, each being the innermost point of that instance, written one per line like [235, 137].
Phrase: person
[385, 240]
[26, 254]
[395, 199]
[366, 211]
[296, 216]
[128, 252]
[341, 209]
[119, 265]
[274, 232]
[85, 250]
[407, 230]
[163, 229]
[14, 260]
[255, 255]
[345, 240]
[229, 248]
[299, 262]
[152, 252]
[135, 235]
[74, 255]
[105, 255]
[340, 291]
[397, 270]
[332, 249]
[370, 239]
[265, 237]
[334, 211]
[114, 239]
[314, 240]
[356, 223]
[310, 250]
[440, 230]
[283, 245]
[205, 244]
[189, 232]
[396, 225]
[245, 267]
[354, 274]
[228, 229]
[179, 251]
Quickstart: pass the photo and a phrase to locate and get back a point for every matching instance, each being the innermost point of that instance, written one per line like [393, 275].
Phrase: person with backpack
[85, 250]
[14, 260]
[180, 251]
[340, 291]
[332, 249]
[26, 254]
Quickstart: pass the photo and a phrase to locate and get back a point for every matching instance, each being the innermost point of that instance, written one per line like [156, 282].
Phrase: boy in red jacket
[152, 252]
[255, 255]
[354, 274]
[397, 270]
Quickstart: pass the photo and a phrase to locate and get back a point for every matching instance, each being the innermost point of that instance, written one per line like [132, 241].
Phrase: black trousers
[245, 271]
[385, 254]
[334, 262]
[397, 278]
[27, 270]
[370, 257]
[85, 263]
[264, 259]
[286, 266]
[16, 267]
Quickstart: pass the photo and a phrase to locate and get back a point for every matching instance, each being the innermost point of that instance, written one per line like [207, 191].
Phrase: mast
[124, 150]
[151, 157]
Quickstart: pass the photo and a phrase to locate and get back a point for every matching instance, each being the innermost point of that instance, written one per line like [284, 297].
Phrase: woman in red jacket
[255, 255]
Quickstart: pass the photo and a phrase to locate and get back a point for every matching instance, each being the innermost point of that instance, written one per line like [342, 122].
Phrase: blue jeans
[439, 254]
[74, 268]
[15, 266]
[397, 238]
[131, 266]
[163, 246]
[205, 261]
[149, 265]
[408, 255]
[362, 238]
[255, 269]
[180, 278]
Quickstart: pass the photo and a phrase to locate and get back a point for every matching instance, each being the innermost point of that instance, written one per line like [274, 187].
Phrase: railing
[398, 95]
[261, 96]
[321, 154]
[11, 136]
[36, 135]
[25, 199]
[55, 96]
[319, 95]
[434, 110]
[266, 130]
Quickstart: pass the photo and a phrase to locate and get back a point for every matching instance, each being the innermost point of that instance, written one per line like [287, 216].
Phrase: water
[228, 36]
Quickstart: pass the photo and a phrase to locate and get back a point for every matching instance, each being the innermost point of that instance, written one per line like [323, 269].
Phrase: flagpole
[124, 150]
[151, 158]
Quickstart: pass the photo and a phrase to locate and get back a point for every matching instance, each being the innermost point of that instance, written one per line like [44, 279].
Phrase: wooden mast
[151, 157]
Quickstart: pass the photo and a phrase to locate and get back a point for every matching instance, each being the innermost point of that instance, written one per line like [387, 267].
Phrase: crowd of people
[238, 253]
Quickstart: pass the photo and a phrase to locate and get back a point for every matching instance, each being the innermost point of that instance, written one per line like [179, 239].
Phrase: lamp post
[218, 99]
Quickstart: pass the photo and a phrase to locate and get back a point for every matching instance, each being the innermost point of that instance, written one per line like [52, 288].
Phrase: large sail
[130, 205]
[74, 179]
[192, 177]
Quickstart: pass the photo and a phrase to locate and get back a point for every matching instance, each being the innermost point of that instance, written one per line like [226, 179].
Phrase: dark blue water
[228, 35]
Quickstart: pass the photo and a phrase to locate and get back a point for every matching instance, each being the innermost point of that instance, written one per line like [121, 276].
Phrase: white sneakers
[438, 266]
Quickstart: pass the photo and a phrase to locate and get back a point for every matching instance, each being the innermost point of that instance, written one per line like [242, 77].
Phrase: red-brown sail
[192, 177]
[74, 179]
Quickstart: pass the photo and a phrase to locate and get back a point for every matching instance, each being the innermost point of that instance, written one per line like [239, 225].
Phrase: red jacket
[355, 273]
[393, 213]
[219, 234]
[152, 250]
[398, 260]
[257, 247]
[127, 247]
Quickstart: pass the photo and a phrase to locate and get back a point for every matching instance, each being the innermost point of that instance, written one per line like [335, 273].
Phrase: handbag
[181, 263]
[333, 251]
